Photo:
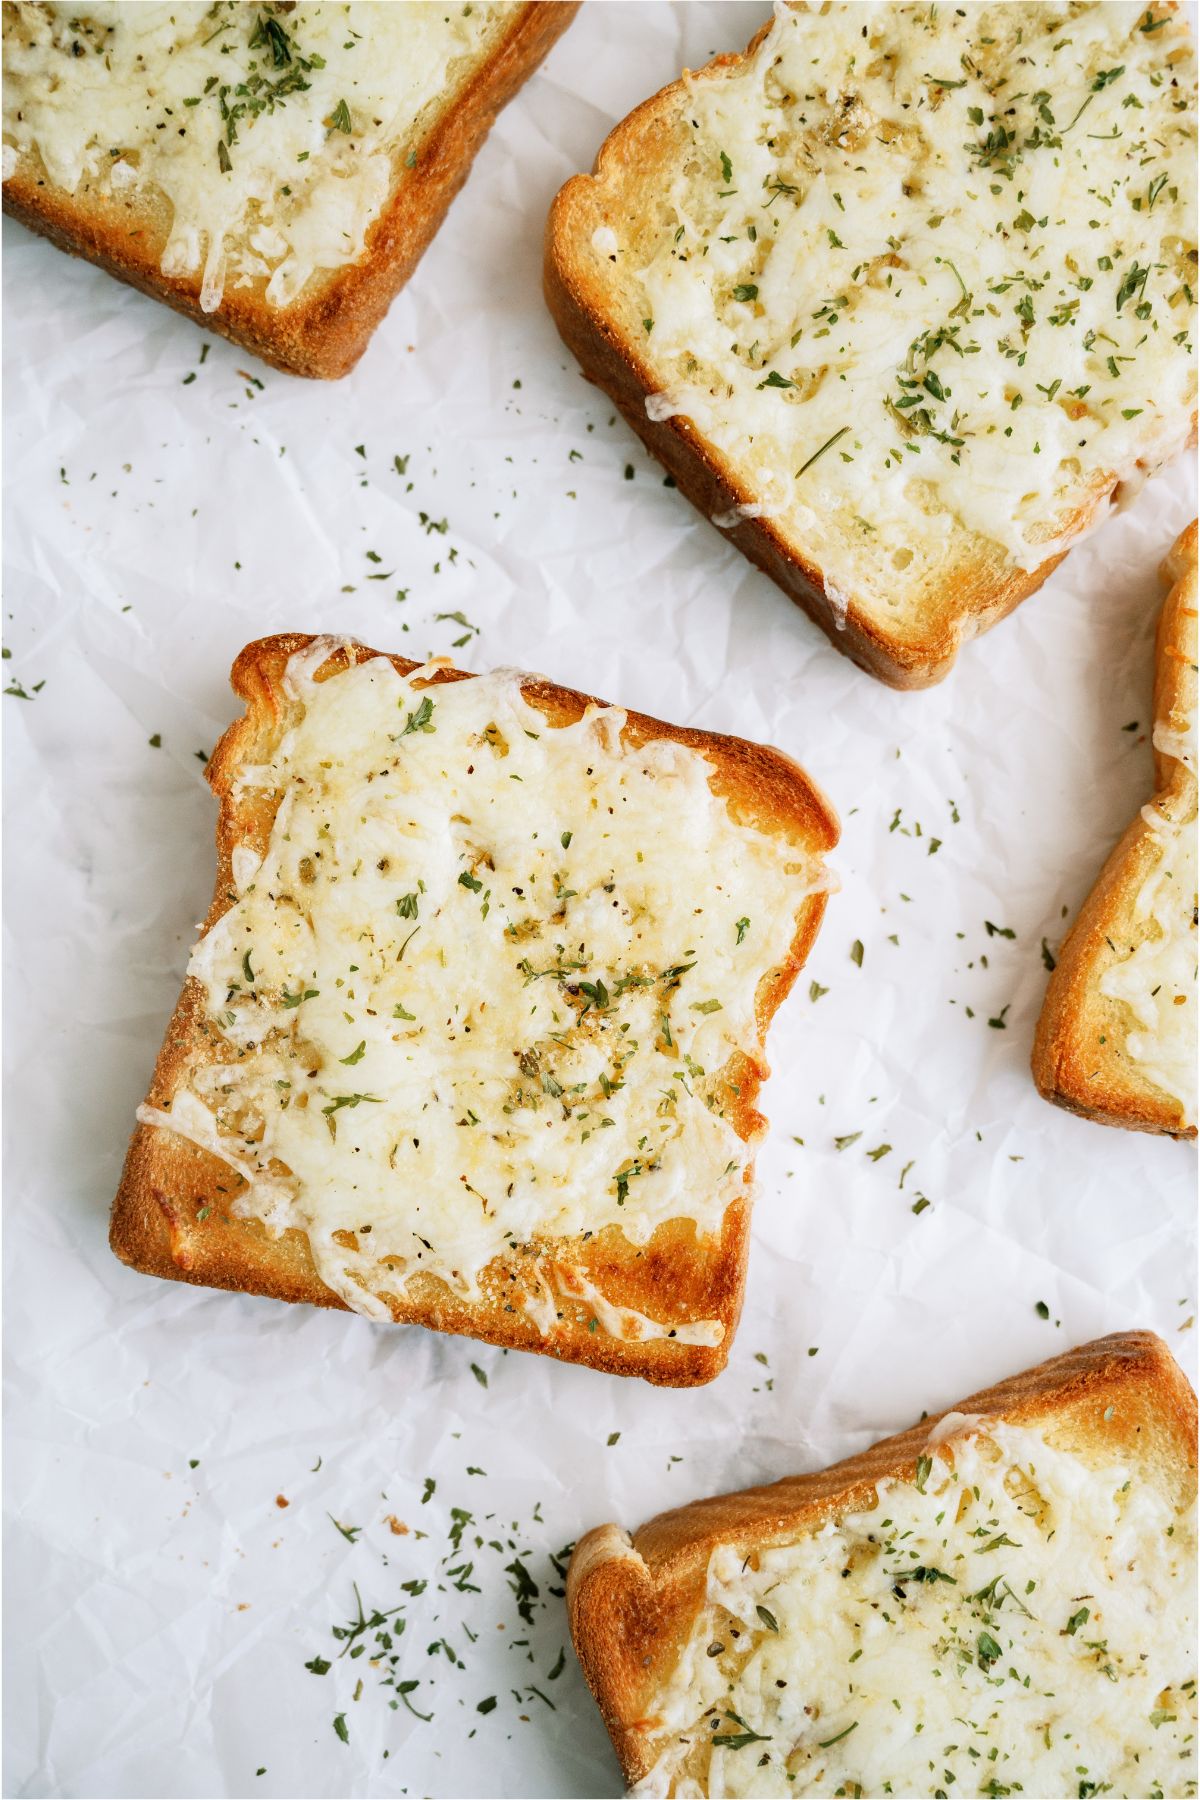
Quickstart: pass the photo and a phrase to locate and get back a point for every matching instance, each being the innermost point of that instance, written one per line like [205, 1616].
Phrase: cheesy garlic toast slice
[474, 1032]
[275, 172]
[901, 297]
[999, 1601]
[1116, 1040]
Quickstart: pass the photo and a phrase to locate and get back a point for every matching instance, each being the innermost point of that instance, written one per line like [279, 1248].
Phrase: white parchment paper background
[161, 1603]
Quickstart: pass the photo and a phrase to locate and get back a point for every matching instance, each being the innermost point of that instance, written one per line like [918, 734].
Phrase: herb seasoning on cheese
[481, 993]
[267, 132]
[1010, 1620]
[932, 266]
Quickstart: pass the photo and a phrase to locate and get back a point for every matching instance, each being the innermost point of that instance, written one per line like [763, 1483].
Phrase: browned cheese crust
[1079, 1057]
[172, 1214]
[977, 587]
[633, 1600]
[325, 331]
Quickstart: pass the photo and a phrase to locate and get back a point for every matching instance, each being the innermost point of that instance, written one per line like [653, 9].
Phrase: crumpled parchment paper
[202, 1488]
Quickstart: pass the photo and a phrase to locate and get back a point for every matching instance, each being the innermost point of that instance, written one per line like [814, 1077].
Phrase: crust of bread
[1079, 1061]
[325, 331]
[978, 588]
[172, 1216]
[632, 1600]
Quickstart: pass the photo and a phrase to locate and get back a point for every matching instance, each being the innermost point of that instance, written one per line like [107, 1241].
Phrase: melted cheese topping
[931, 266]
[1019, 1623]
[482, 988]
[1157, 981]
[270, 133]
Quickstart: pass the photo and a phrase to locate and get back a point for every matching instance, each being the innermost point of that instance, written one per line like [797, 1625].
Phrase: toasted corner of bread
[1116, 1038]
[694, 1631]
[227, 1186]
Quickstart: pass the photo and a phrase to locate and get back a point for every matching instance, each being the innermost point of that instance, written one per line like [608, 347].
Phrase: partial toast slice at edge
[633, 1598]
[324, 332]
[1077, 1059]
[170, 1214]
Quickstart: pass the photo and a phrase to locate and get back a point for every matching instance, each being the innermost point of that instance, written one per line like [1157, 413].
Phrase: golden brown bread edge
[171, 1214]
[632, 1601]
[982, 588]
[324, 332]
[1077, 1060]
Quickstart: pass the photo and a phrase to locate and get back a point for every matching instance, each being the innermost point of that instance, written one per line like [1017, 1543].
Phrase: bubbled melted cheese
[482, 988]
[1020, 1623]
[270, 133]
[926, 267]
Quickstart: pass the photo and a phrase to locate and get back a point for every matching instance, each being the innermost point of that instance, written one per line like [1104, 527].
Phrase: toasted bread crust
[1078, 1057]
[980, 590]
[325, 331]
[168, 1182]
[632, 1600]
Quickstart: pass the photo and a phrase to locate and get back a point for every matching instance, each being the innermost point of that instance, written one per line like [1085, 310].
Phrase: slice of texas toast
[853, 289]
[999, 1600]
[1116, 1040]
[349, 128]
[474, 1032]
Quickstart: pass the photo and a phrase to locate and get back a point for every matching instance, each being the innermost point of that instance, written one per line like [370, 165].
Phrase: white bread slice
[901, 297]
[1001, 1600]
[474, 1032]
[1116, 1040]
[276, 171]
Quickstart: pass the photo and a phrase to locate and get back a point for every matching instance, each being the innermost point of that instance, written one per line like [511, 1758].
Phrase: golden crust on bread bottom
[1080, 1054]
[633, 1599]
[324, 332]
[173, 1217]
